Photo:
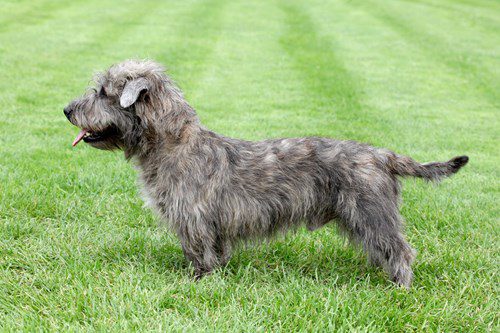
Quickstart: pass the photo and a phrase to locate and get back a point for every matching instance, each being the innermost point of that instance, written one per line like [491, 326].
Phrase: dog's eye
[102, 92]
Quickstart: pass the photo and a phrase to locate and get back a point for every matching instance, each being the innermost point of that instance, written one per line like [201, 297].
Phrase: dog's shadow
[339, 265]
[279, 260]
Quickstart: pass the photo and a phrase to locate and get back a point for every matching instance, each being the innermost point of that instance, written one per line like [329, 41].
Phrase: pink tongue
[79, 137]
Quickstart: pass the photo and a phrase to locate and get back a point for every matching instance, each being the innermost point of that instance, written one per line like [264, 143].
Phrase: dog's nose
[67, 111]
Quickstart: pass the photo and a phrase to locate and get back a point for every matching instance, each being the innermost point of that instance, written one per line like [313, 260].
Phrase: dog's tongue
[79, 137]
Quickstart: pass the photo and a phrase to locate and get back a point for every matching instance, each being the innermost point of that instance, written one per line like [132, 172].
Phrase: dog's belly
[239, 214]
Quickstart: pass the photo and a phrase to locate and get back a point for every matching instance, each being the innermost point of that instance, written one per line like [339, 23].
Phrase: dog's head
[131, 100]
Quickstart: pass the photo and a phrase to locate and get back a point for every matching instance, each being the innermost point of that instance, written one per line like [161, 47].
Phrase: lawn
[79, 252]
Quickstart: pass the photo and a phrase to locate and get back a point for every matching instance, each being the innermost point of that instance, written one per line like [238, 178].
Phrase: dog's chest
[157, 192]
[168, 193]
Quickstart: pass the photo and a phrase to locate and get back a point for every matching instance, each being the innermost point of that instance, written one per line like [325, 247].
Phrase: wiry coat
[216, 191]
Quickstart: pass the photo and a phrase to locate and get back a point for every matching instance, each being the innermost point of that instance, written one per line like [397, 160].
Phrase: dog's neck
[181, 127]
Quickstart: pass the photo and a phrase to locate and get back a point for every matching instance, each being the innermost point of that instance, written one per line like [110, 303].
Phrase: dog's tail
[433, 171]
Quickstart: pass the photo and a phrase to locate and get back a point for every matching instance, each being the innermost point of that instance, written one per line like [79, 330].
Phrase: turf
[79, 252]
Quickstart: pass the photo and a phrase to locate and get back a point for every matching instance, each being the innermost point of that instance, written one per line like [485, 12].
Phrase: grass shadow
[279, 260]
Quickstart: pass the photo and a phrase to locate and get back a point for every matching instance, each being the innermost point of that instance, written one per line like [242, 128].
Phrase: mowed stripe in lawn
[454, 83]
[420, 90]
[473, 11]
[466, 65]
[478, 17]
[32, 65]
[328, 84]
[432, 37]
[233, 98]
[17, 15]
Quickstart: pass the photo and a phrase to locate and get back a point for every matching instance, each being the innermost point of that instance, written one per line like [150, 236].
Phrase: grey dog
[217, 191]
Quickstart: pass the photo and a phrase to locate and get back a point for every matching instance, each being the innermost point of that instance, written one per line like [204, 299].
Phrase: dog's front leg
[224, 249]
[198, 244]
[201, 259]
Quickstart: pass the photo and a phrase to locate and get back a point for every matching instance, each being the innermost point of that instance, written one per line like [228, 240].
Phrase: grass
[79, 252]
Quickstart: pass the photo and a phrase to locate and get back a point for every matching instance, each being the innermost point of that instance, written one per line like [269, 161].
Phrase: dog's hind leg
[377, 227]
[393, 253]
[319, 220]
[315, 224]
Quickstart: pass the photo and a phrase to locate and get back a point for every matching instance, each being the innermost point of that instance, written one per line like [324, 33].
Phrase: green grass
[79, 252]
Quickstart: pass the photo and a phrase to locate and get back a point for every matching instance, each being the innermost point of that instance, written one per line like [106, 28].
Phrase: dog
[217, 191]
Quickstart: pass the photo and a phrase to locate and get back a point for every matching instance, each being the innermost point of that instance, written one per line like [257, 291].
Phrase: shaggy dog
[217, 191]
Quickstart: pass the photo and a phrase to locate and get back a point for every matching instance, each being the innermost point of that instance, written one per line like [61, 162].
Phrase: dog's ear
[132, 90]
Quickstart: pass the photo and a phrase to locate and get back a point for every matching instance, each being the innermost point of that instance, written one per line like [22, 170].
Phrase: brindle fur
[217, 191]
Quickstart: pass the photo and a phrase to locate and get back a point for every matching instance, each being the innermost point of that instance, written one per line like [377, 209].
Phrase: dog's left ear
[132, 90]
